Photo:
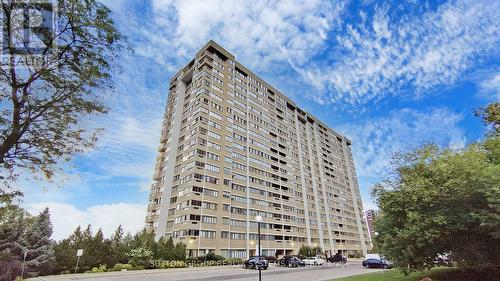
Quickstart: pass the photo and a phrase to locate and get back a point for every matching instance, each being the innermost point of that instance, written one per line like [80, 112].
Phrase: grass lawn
[436, 274]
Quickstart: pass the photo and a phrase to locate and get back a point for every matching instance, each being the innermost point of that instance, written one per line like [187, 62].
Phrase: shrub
[140, 257]
[138, 267]
[308, 251]
[211, 257]
[172, 264]
[101, 268]
[121, 266]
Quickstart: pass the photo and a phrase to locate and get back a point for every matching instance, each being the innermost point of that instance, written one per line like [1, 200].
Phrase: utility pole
[259, 219]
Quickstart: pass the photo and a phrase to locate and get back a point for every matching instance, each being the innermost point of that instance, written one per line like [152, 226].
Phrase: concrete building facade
[232, 148]
[371, 215]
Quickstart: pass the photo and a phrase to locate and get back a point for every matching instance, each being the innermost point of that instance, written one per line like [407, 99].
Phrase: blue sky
[388, 75]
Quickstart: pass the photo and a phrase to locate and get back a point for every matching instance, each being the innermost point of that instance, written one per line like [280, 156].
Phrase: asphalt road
[309, 273]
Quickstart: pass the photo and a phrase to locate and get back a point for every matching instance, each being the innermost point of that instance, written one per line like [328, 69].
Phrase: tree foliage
[490, 115]
[308, 251]
[139, 250]
[441, 201]
[22, 233]
[43, 104]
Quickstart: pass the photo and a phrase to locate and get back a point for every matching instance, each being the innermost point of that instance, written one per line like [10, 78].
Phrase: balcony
[152, 218]
[205, 61]
[157, 176]
[153, 206]
[163, 147]
[163, 138]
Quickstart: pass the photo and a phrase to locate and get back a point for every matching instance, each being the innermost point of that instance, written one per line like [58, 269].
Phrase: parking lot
[307, 273]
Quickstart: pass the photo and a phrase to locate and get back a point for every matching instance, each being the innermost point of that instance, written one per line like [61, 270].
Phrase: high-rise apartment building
[232, 148]
[371, 215]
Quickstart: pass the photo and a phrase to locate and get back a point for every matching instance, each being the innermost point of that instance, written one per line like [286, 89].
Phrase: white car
[314, 261]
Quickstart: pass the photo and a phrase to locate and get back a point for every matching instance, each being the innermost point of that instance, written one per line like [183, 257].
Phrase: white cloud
[258, 31]
[489, 87]
[129, 145]
[375, 140]
[66, 217]
[382, 57]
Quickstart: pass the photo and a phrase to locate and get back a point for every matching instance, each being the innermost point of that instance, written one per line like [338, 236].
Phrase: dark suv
[291, 261]
[256, 262]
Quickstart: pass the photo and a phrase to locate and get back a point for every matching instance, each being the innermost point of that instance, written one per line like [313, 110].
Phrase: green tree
[118, 246]
[65, 253]
[165, 249]
[490, 115]
[12, 225]
[100, 250]
[42, 105]
[308, 251]
[22, 233]
[37, 244]
[441, 201]
[140, 257]
[179, 252]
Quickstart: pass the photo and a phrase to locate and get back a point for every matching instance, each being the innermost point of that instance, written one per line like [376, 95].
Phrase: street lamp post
[259, 219]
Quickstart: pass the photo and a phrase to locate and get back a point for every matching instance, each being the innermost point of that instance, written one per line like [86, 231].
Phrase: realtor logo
[28, 30]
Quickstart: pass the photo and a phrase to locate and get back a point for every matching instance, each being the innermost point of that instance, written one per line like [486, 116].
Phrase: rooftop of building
[214, 47]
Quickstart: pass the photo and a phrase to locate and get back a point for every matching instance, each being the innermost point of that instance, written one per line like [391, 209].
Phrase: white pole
[24, 262]
[77, 260]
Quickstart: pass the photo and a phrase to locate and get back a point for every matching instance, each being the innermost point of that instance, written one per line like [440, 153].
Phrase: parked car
[256, 263]
[337, 258]
[443, 259]
[290, 261]
[314, 261]
[377, 263]
[271, 259]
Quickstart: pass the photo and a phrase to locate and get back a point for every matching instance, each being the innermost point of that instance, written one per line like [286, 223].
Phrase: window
[216, 97]
[240, 177]
[213, 145]
[238, 236]
[239, 146]
[238, 187]
[217, 89]
[215, 115]
[207, 234]
[213, 156]
[239, 199]
[209, 205]
[238, 211]
[212, 168]
[239, 137]
[214, 124]
[210, 192]
[214, 135]
[238, 223]
[195, 203]
[210, 179]
[216, 106]
[239, 166]
[209, 219]
[238, 155]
